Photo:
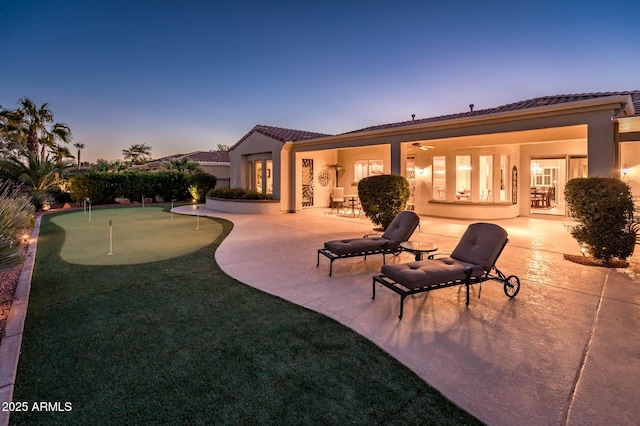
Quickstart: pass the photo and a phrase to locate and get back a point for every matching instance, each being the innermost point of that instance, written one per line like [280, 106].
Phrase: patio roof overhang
[628, 128]
[619, 105]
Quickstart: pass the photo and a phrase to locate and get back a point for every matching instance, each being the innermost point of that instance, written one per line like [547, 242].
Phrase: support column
[288, 178]
[602, 147]
[396, 159]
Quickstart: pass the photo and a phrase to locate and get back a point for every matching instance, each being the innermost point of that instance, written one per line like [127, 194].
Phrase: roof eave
[616, 102]
[214, 163]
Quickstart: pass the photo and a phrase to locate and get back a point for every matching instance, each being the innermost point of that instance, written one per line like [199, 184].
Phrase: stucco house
[213, 162]
[502, 162]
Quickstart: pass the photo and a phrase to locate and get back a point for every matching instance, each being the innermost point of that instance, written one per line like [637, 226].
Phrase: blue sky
[185, 75]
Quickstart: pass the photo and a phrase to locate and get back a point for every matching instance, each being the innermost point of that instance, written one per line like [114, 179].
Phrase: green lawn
[176, 341]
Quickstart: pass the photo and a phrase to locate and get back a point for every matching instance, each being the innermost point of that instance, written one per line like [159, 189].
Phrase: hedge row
[104, 187]
[237, 194]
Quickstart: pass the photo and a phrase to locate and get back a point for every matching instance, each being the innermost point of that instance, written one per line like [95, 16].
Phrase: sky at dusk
[183, 76]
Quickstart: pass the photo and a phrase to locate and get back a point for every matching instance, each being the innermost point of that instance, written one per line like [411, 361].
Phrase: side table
[418, 248]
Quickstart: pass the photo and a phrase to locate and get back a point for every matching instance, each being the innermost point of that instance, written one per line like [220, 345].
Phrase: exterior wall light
[625, 171]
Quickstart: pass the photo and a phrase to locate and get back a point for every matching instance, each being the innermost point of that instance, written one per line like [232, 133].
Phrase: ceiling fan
[422, 147]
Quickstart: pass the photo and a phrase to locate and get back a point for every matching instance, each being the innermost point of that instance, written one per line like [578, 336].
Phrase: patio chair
[471, 262]
[337, 200]
[400, 229]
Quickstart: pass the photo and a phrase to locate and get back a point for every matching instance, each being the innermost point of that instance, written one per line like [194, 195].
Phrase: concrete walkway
[565, 350]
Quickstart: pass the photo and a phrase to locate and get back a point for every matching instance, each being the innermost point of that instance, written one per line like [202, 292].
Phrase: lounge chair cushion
[402, 226]
[420, 274]
[360, 245]
[481, 244]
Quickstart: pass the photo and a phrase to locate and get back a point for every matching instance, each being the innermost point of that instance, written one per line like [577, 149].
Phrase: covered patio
[497, 163]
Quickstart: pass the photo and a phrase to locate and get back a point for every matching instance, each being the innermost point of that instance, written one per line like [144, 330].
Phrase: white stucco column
[287, 178]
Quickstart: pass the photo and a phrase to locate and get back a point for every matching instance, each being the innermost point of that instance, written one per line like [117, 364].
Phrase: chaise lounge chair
[472, 262]
[398, 231]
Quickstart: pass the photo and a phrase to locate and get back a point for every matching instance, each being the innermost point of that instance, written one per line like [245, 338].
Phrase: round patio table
[418, 248]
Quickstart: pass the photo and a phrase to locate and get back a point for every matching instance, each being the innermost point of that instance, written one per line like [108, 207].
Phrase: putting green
[139, 235]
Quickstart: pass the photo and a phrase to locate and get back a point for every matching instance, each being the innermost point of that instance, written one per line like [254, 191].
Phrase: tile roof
[209, 156]
[530, 103]
[198, 157]
[281, 134]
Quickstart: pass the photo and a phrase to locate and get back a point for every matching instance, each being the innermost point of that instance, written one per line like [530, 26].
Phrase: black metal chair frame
[333, 256]
[511, 282]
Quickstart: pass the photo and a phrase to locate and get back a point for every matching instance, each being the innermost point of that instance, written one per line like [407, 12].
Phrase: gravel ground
[8, 282]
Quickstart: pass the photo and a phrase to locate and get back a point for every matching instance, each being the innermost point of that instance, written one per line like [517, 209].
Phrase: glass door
[548, 178]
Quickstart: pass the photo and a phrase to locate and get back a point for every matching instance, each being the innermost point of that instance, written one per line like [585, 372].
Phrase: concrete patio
[563, 351]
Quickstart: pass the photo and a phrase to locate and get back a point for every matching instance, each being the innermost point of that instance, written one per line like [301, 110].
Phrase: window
[411, 178]
[269, 170]
[439, 178]
[258, 181]
[366, 168]
[463, 177]
[260, 174]
[486, 177]
[504, 179]
[542, 176]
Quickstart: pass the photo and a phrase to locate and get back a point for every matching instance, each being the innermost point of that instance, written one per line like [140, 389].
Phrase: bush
[172, 185]
[237, 194]
[105, 187]
[603, 209]
[16, 212]
[201, 184]
[383, 197]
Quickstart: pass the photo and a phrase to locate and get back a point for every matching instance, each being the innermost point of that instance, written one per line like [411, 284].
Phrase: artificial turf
[177, 341]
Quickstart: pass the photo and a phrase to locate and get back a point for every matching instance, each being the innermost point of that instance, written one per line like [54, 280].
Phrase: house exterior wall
[219, 171]
[577, 129]
[549, 131]
[348, 158]
[321, 161]
[630, 160]
[255, 147]
[475, 207]
[630, 154]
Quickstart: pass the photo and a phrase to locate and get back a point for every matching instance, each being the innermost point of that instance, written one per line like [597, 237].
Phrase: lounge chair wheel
[511, 285]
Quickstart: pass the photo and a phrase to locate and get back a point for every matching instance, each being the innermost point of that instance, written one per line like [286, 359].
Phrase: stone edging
[12, 339]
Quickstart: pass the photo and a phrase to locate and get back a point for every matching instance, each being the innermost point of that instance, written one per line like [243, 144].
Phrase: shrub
[201, 184]
[237, 194]
[105, 187]
[16, 213]
[383, 197]
[603, 210]
[171, 185]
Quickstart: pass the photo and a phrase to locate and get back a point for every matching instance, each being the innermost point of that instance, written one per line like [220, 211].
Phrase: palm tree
[61, 153]
[12, 141]
[59, 131]
[38, 176]
[137, 153]
[79, 146]
[35, 126]
[103, 165]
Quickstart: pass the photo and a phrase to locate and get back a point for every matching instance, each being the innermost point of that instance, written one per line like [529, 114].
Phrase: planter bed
[243, 206]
